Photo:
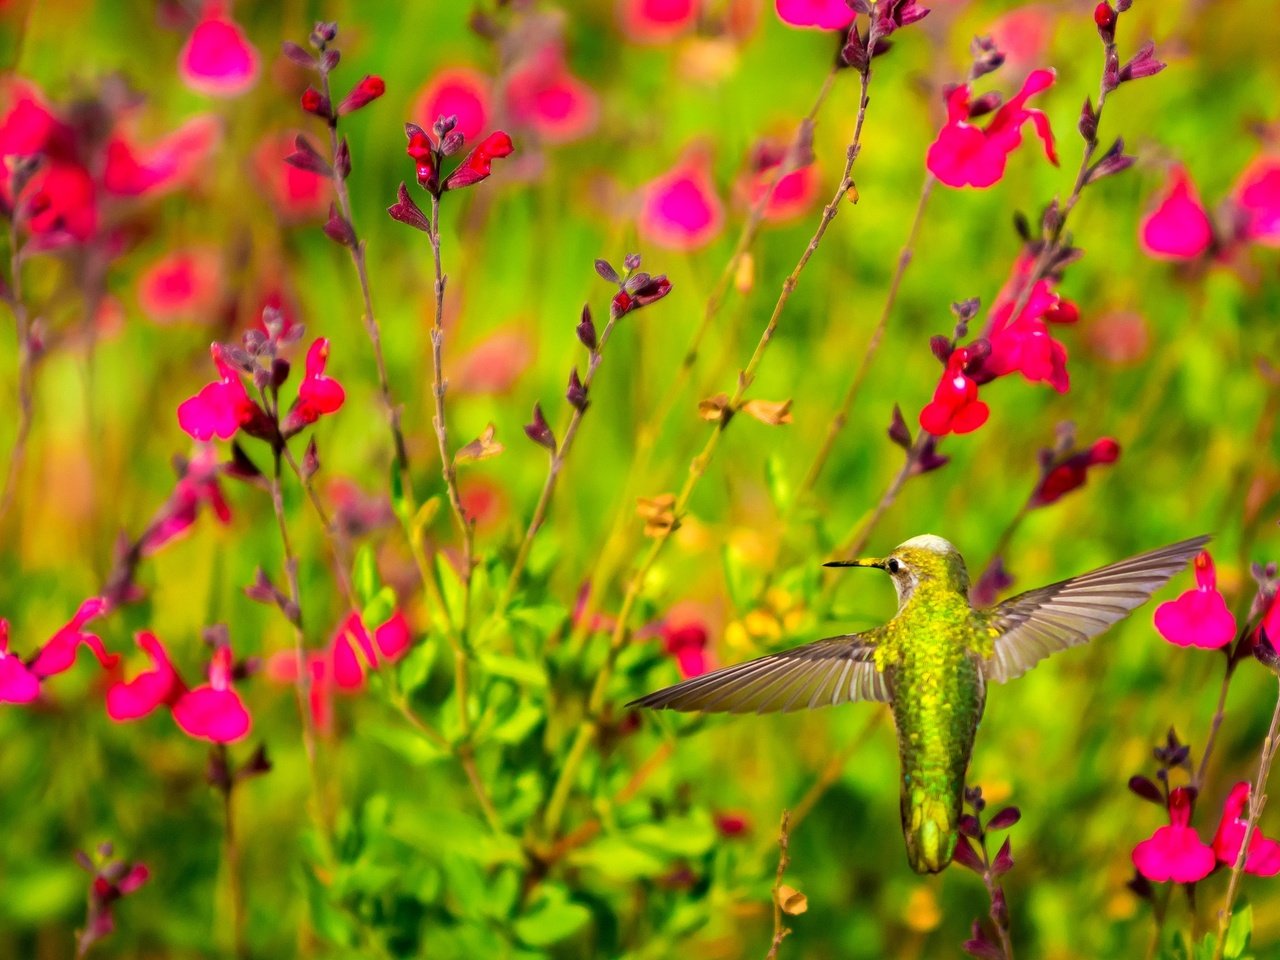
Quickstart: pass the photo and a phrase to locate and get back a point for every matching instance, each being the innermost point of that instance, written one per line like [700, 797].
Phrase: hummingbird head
[926, 562]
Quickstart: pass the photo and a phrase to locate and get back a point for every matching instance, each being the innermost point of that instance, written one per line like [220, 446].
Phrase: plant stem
[341, 560]
[780, 931]
[1218, 714]
[873, 345]
[861, 535]
[232, 852]
[557, 463]
[26, 371]
[587, 730]
[1257, 800]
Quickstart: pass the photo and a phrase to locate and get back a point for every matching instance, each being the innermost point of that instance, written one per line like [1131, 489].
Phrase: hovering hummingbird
[931, 663]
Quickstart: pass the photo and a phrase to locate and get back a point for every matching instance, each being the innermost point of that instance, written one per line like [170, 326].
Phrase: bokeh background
[1165, 359]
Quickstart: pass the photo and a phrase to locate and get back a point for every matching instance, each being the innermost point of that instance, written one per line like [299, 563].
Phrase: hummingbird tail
[930, 831]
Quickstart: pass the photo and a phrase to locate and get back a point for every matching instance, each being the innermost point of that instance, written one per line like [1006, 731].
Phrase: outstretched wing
[819, 674]
[1035, 624]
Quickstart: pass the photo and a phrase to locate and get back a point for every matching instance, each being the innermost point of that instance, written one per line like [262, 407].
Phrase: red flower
[112, 880]
[355, 651]
[217, 59]
[362, 94]
[680, 210]
[656, 21]
[296, 194]
[793, 194]
[220, 408]
[687, 643]
[214, 711]
[197, 486]
[1199, 617]
[1257, 195]
[955, 407]
[181, 284]
[455, 92]
[1024, 343]
[1263, 859]
[159, 686]
[476, 166]
[1070, 472]
[317, 394]
[965, 155]
[496, 363]
[60, 202]
[1178, 228]
[132, 170]
[1175, 852]
[818, 14]
[730, 825]
[20, 682]
[542, 95]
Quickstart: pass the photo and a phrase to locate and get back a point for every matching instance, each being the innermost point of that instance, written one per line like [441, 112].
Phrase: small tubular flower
[955, 407]
[220, 408]
[214, 711]
[159, 686]
[1178, 228]
[1199, 617]
[1263, 859]
[217, 59]
[478, 163]
[1175, 852]
[317, 394]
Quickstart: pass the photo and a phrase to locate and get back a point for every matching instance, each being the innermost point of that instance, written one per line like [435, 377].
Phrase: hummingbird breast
[938, 693]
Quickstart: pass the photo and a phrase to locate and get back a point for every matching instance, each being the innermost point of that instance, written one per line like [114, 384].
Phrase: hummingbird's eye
[893, 566]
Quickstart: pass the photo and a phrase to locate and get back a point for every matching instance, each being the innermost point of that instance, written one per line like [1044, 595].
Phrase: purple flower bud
[279, 372]
[860, 6]
[453, 142]
[1147, 790]
[1005, 819]
[999, 905]
[1113, 161]
[576, 394]
[1141, 886]
[338, 229]
[1088, 123]
[929, 459]
[631, 262]
[854, 52]
[980, 947]
[342, 160]
[444, 126]
[329, 60]
[898, 431]
[297, 55]
[995, 578]
[606, 272]
[587, 329]
[324, 32]
[539, 431]
[262, 590]
[1111, 72]
[408, 212]
[257, 765]
[1264, 649]
[1142, 64]
[652, 290]
[966, 856]
[306, 157]
[981, 106]
[942, 347]
[970, 826]
[310, 460]
[1003, 862]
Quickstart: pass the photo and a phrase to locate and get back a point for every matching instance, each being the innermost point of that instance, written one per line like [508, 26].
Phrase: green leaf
[365, 574]
[551, 917]
[690, 836]
[452, 588]
[523, 672]
[777, 481]
[378, 608]
[399, 503]
[415, 668]
[409, 744]
[1239, 933]
[617, 859]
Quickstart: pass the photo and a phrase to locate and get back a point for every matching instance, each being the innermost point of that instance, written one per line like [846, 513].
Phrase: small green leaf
[521, 671]
[777, 481]
[452, 588]
[365, 575]
[551, 918]
[415, 668]
[1239, 932]
[378, 608]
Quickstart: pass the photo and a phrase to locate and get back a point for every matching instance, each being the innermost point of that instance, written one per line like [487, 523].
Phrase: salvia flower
[362, 94]
[478, 163]
[1062, 474]
[218, 59]
[459, 92]
[966, 155]
[656, 21]
[543, 96]
[112, 880]
[1257, 197]
[955, 407]
[1178, 228]
[317, 394]
[1175, 852]
[680, 209]
[428, 152]
[1263, 858]
[20, 681]
[220, 408]
[1199, 617]
[793, 193]
[687, 644]
[197, 487]
[814, 14]
[214, 711]
[159, 686]
[1023, 343]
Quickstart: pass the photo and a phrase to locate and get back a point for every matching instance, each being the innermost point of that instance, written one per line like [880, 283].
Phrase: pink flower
[542, 95]
[196, 487]
[656, 21]
[687, 642]
[317, 394]
[476, 166]
[20, 682]
[495, 364]
[1263, 859]
[218, 59]
[1023, 36]
[455, 92]
[220, 408]
[132, 170]
[296, 194]
[354, 651]
[680, 210]
[181, 284]
[1257, 195]
[1024, 343]
[1072, 471]
[1199, 617]
[793, 194]
[214, 711]
[816, 14]
[159, 686]
[955, 407]
[60, 202]
[1178, 228]
[30, 128]
[1175, 852]
[968, 155]
[484, 503]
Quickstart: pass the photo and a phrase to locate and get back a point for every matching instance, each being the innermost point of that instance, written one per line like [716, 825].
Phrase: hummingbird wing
[819, 674]
[1035, 624]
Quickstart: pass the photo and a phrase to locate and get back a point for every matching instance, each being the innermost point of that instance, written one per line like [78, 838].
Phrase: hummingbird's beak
[878, 564]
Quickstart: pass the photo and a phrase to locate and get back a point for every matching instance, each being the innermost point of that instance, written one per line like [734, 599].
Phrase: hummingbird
[931, 663]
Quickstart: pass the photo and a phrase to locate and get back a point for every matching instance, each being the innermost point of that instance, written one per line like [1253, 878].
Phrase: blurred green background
[416, 871]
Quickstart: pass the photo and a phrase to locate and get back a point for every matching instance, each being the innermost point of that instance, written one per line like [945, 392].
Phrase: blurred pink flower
[317, 394]
[217, 58]
[17, 683]
[496, 363]
[1023, 36]
[484, 503]
[182, 284]
[656, 21]
[1199, 617]
[965, 155]
[687, 643]
[1072, 471]
[197, 486]
[214, 711]
[732, 824]
[29, 127]
[1263, 859]
[173, 160]
[159, 686]
[354, 651]
[455, 92]
[816, 14]
[1178, 228]
[296, 194]
[220, 408]
[1023, 343]
[1120, 338]
[794, 193]
[680, 210]
[1175, 852]
[60, 199]
[955, 407]
[542, 95]
[1257, 195]
[20, 682]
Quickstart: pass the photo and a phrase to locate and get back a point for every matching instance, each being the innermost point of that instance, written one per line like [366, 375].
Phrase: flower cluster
[112, 880]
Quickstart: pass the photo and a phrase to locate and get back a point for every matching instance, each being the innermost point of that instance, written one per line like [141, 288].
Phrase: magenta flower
[20, 682]
[455, 92]
[955, 407]
[60, 203]
[369, 89]
[965, 155]
[680, 210]
[1072, 471]
[317, 394]
[1023, 343]
[132, 170]
[687, 643]
[814, 14]
[1176, 852]
[1263, 859]
[218, 59]
[1178, 228]
[220, 408]
[196, 487]
[296, 194]
[182, 284]
[1199, 617]
[656, 21]
[1257, 196]
[159, 686]
[793, 194]
[389, 643]
[543, 96]
[214, 711]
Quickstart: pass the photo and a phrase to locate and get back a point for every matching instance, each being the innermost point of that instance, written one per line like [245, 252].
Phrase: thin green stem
[26, 371]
